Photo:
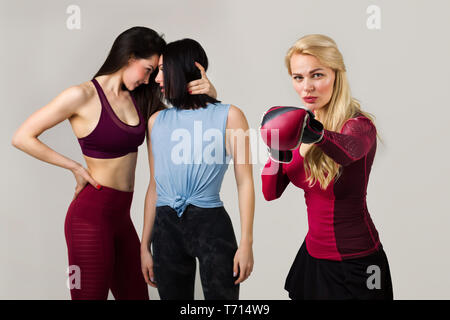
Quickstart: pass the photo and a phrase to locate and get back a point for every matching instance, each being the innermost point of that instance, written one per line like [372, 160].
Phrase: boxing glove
[284, 128]
[273, 125]
[313, 131]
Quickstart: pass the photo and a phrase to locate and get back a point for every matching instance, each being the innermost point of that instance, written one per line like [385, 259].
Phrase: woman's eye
[318, 74]
[298, 78]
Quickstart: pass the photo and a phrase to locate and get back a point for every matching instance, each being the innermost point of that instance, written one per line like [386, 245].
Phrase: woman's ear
[131, 59]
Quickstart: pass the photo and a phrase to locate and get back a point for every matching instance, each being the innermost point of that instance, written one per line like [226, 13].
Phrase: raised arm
[353, 142]
[238, 143]
[203, 85]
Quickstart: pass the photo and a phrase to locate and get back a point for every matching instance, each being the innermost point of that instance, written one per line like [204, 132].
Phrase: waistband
[106, 196]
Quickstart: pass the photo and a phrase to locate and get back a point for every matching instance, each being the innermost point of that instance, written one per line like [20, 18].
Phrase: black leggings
[205, 233]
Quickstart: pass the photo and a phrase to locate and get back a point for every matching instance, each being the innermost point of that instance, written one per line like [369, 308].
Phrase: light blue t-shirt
[189, 155]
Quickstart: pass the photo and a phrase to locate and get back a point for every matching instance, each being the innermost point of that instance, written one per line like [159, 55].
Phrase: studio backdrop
[396, 54]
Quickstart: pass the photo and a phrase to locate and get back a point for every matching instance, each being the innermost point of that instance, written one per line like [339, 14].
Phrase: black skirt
[364, 278]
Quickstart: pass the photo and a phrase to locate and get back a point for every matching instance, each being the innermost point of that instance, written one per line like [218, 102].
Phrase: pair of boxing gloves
[283, 129]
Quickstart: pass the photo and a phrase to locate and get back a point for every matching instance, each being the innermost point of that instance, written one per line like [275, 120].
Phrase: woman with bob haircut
[184, 216]
[108, 115]
[329, 156]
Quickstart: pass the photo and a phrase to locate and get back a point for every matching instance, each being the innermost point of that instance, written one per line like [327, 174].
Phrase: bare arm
[239, 145]
[59, 109]
[149, 213]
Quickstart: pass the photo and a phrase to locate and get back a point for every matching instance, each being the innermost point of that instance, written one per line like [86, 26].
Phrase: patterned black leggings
[205, 233]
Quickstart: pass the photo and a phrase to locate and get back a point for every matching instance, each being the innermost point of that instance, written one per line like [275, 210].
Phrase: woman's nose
[158, 78]
[308, 86]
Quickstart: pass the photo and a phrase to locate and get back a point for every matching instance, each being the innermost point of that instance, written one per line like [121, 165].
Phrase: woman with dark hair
[108, 115]
[190, 146]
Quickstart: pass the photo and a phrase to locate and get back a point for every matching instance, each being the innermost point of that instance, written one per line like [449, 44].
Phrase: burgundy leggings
[102, 242]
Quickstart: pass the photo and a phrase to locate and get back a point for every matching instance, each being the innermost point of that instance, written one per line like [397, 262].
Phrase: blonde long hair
[341, 107]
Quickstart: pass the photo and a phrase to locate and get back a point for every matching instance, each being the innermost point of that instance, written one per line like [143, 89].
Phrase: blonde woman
[327, 148]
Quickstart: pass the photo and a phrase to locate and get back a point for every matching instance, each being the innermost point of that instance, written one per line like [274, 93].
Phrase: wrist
[246, 242]
[145, 246]
[74, 166]
[321, 138]
[280, 156]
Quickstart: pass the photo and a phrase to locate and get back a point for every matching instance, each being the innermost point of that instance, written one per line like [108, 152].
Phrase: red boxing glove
[284, 128]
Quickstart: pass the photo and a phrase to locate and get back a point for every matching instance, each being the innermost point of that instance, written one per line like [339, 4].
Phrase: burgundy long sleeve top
[340, 226]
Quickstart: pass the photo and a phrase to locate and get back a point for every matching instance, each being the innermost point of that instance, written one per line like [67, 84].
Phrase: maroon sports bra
[112, 138]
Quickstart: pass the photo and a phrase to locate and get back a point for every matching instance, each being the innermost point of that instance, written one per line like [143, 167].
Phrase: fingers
[241, 276]
[145, 274]
[244, 273]
[235, 269]
[245, 270]
[200, 67]
[201, 86]
[149, 277]
[77, 191]
[91, 180]
[94, 183]
[83, 176]
[147, 269]
[152, 277]
[195, 84]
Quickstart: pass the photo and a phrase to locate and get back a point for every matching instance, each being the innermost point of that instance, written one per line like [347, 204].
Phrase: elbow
[346, 163]
[16, 141]
[270, 190]
[269, 196]
[21, 141]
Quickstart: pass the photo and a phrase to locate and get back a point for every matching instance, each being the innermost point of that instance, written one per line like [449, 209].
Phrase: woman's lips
[310, 99]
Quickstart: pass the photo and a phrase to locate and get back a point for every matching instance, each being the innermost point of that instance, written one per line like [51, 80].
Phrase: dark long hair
[142, 43]
[179, 69]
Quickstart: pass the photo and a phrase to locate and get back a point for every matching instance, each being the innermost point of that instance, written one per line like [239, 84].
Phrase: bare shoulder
[87, 88]
[236, 118]
[79, 93]
[151, 120]
[75, 97]
[235, 112]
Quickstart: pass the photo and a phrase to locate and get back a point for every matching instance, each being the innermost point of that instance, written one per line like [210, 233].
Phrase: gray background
[400, 73]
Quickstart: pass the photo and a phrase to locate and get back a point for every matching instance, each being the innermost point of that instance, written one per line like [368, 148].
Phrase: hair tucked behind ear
[179, 69]
[342, 106]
